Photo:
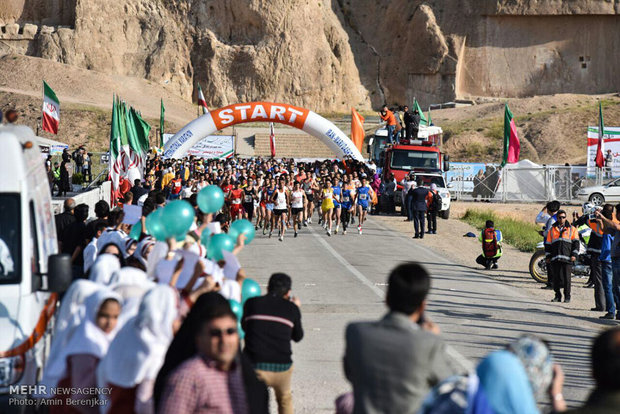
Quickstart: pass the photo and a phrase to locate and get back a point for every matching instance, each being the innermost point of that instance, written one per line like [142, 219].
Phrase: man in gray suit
[394, 362]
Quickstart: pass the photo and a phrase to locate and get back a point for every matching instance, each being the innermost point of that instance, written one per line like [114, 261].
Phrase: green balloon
[242, 226]
[136, 231]
[205, 237]
[155, 226]
[236, 308]
[210, 199]
[249, 289]
[217, 244]
[178, 217]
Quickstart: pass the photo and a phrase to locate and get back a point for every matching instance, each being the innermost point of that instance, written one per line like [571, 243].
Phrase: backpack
[436, 203]
[489, 243]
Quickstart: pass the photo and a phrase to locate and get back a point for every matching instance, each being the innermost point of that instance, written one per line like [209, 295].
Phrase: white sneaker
[344, 232]
[329, 233]
[359, 229]
[337, 228]
[281, 238]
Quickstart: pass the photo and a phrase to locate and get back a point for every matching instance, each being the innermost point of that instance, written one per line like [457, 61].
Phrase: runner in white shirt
[298, 199]
[281, 200]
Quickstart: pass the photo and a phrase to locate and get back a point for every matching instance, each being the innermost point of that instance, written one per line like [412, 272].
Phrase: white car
[439, 181]
[601, 194]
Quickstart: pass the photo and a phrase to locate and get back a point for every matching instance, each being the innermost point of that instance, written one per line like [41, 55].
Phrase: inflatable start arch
[301, 118]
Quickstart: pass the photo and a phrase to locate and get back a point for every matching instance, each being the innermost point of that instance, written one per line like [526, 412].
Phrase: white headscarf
[103, 268]
[433, 187]
[141, 249]
[132, 296]
[159, 252]
[88, 338]
[138, 351]
[70, 315]
[128, 276]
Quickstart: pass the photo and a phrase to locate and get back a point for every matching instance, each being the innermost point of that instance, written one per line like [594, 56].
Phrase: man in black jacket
[270, 323]
[419, 208]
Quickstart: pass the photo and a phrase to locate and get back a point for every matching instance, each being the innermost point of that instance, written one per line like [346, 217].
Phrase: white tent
[524, 180]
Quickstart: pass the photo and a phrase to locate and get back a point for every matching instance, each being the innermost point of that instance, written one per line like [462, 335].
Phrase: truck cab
[32, 274]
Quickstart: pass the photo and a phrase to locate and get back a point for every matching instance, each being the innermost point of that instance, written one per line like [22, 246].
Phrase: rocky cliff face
[329, 55]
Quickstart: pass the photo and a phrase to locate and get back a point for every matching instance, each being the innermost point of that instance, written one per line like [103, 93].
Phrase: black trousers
[418, 222]
[486, 262]
[432, 220]
[596, 274]
[345, 216]
[561, 278]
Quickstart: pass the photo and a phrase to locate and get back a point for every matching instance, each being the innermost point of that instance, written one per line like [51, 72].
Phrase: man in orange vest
[390, 119]
[561, 249]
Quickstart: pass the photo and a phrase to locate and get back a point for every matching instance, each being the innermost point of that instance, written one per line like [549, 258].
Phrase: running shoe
[295, 234]
[310, 220]
[264, 230]
[270, 234]
[337, 228]
[329, 233]
[359, 229]
[344, 232]
[305, 223]
[281, 238]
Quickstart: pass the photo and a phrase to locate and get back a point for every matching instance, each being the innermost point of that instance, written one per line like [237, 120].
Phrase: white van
[31, 273]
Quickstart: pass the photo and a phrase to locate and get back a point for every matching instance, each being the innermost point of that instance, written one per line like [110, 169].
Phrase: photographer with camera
[594, 251]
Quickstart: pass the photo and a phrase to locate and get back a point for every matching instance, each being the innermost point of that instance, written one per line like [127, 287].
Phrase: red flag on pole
[272, 140]
[357, 129]
[600, 158]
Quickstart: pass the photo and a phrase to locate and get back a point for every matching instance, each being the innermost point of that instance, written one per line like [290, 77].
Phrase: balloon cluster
[174, 220]
[249, 289]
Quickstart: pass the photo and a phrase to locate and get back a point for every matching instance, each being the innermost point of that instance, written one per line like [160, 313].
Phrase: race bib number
[236, 201]
[345, 199]
[362, 196]
[248, 198]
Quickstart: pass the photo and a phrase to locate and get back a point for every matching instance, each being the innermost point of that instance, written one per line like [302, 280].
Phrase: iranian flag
[201, 101]
[272, 140]
[600, 158]
[512, 147]
[51, 110]
[115, 160]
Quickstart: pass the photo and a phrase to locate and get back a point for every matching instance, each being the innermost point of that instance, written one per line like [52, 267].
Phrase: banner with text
[213, 146]
[611, 142]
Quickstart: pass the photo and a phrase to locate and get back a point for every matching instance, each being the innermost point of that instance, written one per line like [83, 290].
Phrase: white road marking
[348, 265]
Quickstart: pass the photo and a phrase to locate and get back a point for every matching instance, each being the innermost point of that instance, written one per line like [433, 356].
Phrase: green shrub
[77, 178]
[520, 234]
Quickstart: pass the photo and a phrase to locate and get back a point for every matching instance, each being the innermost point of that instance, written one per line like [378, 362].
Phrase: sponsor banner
[611, 142]
[465, 177]
[213, 146]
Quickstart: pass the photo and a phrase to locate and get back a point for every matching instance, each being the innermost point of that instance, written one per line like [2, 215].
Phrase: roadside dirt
[513, 266]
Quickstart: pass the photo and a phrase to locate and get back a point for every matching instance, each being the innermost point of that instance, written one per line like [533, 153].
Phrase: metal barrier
[524, 184]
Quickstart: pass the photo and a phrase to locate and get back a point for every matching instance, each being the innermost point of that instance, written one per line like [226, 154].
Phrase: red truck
[421, 155]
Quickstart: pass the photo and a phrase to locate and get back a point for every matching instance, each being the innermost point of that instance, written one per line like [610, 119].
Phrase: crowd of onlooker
[161, 326]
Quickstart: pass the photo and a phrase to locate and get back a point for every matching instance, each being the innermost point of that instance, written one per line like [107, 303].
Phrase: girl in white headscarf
[138, 351]
[70, 315]
[86, 347]
[103, 268]
[141, 254]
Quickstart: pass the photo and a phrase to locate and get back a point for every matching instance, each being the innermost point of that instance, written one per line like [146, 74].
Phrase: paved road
[340, 279]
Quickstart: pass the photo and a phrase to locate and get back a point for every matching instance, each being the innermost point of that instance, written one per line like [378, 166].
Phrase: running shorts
[235, 209]
[327, 205]
[270, 206]
[296, 210]
[278, 211]
[363, 205]
[310, 197]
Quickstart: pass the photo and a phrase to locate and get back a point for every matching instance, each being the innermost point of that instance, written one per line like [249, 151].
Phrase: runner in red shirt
[177, 186]
[236, 198]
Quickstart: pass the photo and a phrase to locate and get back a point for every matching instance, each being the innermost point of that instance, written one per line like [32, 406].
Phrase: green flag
[430, 121]
[423, 120]
[115, 148]
[142, 129]
[161, 124]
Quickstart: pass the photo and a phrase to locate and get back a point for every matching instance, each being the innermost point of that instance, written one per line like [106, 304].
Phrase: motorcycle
[538, 265]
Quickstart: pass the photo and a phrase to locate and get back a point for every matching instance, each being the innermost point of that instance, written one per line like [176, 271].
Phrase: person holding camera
[270, 323]
[390, 122]
[594, 251]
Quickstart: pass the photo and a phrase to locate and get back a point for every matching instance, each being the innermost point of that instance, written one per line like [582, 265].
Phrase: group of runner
[279, 203]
